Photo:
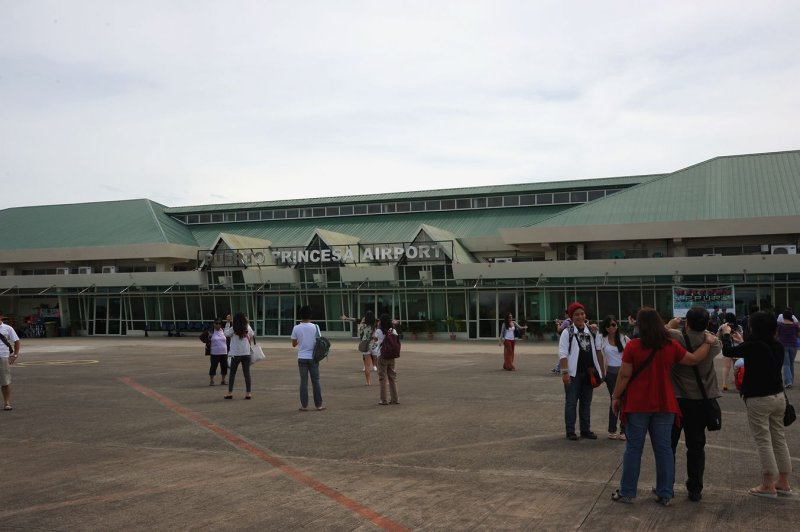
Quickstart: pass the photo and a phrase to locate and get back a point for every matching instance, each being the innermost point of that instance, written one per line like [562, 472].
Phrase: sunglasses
[612, 325]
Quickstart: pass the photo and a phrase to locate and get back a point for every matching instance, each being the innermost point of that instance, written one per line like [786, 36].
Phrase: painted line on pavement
[293, 473]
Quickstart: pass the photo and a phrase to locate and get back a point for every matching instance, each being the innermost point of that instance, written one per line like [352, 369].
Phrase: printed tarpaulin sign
[685, 298]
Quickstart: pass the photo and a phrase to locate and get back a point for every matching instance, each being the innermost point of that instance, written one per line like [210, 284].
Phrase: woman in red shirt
[649, 405]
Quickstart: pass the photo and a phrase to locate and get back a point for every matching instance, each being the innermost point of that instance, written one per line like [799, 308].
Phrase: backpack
[321, 347]
[204, 336]
[390, 347]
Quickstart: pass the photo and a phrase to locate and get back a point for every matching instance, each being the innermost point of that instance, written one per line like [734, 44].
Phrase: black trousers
[694, 428]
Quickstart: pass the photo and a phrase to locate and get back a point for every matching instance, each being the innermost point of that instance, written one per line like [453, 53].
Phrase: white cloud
[188, 102]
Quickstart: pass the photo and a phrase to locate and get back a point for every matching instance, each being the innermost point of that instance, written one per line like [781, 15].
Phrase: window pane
[417, 206]
[266, 215]
[544, 199]
[403, 207]
[448, 205]
[374, 208]
[578, 197]
[479, 203]
[292, 213]
[464, 203]
[359, 209]
[561, 197]
[280, 214]
[527, 199]
[346, 210]
[433, 205]
[495, 202]
[331, 211]
[193, 218]
[318, 212]
[205, 218]
[216, 217]
[595, 194]
[241, 216]
[230, 216]
[389, 207]
[510, 201]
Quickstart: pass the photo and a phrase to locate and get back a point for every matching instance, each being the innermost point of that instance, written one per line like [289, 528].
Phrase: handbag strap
[318, 334]
[694, 368]
[639, 369]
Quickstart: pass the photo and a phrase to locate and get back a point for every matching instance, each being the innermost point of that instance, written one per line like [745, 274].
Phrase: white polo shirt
[11, 335]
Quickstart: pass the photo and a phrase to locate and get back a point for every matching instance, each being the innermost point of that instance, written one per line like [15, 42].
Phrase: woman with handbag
[765, 399]
[241, 335]
[366, 330]
[649, 405]
[509, 332]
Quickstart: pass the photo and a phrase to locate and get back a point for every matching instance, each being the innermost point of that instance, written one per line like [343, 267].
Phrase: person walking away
[9, 353]
[650, 406]
[690, 396]
[386, 364]
[241, 336]
[508, 337]
[788, 331]
[610, 343]
[304, 337]
[765, 400]
[577, 354]
[218, 352]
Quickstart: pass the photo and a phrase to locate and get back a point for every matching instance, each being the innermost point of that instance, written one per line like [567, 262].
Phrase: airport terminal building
[443, 260]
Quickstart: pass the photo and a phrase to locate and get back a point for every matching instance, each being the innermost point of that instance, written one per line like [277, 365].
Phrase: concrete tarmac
[125, 434]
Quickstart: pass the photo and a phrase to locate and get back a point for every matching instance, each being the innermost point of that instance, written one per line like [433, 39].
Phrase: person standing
[765, 400]
[508, 337]
[576, 355]
[611, 343]
[218, 353]
[690, 396]
[304, 337]
[241, 335]
[366, 330]
[788, 331]
[650, 406]
[9, 353]
[386, 371]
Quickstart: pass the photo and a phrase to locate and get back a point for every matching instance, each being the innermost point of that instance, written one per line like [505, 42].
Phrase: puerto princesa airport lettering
[377, 253]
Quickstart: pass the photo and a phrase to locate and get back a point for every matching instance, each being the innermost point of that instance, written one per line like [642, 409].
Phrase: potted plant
[430, 328]
[414, 327]
[454, 326]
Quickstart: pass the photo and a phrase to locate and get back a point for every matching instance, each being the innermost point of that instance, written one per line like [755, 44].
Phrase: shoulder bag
[788, 414]
[256, 353]
[710, 405]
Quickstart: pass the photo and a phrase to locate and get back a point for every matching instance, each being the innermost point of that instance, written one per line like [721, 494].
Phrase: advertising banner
[685, 298]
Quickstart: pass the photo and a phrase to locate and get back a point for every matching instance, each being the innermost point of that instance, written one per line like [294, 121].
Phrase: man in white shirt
[9, 352]
[304, 337]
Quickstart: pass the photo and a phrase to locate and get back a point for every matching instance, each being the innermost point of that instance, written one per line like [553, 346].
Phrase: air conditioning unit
[787, 249]
[320, 279]
[84, 269]
[502, 259]
[765, 249]
[109, 269]
[573, 252]
[712, 254]
[62, 271]
[425, 277]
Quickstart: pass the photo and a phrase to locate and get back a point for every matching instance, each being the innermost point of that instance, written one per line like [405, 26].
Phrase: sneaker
[589, 435]
[622, 436]
[612, 435]
[374, 368]
[663, 501]
[617, 497]
[571, 436]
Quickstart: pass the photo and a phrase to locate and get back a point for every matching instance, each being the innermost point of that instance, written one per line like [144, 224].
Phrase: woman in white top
[611, 342]
[508, 335]
[240, 334]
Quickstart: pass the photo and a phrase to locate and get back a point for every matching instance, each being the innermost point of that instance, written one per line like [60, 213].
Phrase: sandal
[758, 493]
[228, 397]
[787, 492]
[618, 497]
[7, 407]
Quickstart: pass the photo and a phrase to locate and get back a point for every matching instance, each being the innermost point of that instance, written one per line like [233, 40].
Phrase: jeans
[388, 378]
[245, 362]
[789, 354]
[611, 381]
[309, 366]
[659, 425]
[578, 389]
[694, 429]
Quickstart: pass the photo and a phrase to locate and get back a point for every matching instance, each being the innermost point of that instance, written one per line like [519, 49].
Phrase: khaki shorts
[5, 372]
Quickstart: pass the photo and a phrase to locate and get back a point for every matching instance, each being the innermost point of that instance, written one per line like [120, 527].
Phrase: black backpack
[390, 347]
[321, 347]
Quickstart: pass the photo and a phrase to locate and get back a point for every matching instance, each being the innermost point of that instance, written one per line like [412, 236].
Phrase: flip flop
[7, 407]
[757, 493]
[784, 493]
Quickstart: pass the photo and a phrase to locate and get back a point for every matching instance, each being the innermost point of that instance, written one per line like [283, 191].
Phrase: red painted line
[293, 473]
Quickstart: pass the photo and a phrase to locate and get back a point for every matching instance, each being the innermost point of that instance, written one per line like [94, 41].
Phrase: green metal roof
[109, 223]
[730, 187]
[378, 228]
[495, 190]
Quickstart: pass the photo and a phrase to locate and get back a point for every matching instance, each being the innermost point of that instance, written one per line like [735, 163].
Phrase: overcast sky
[197, 102]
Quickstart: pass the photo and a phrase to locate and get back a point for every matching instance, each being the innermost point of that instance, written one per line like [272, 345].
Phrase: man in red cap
[577, 355]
